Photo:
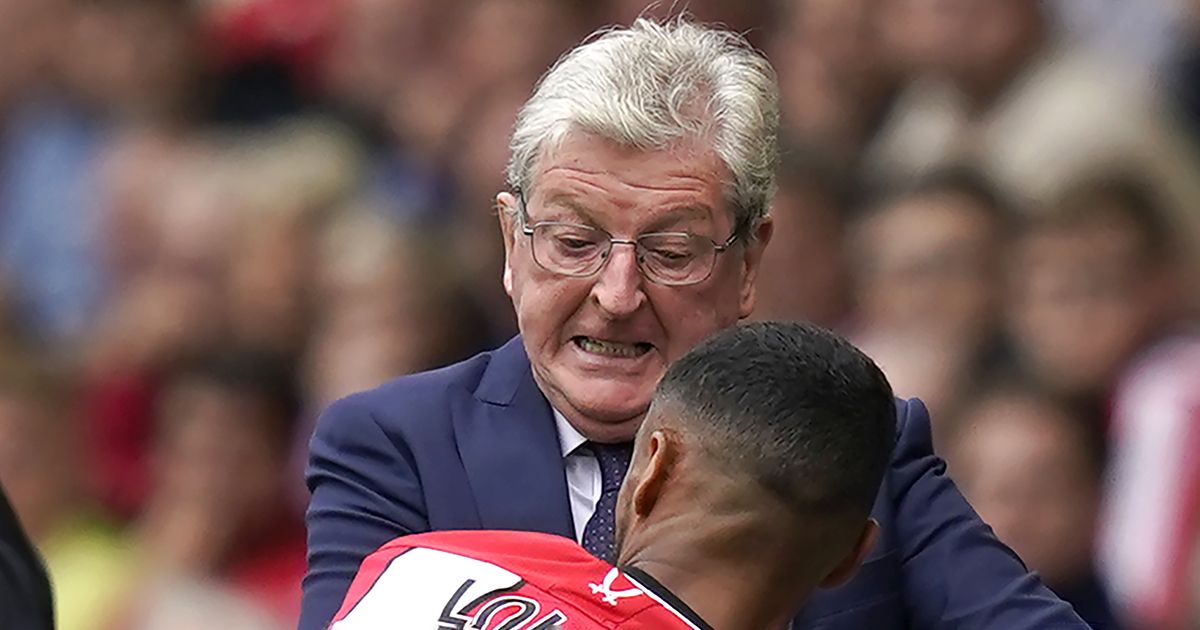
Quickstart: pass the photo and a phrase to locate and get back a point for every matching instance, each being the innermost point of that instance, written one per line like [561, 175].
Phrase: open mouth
[612, 348]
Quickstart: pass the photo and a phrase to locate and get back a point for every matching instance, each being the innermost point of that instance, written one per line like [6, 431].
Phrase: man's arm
[956, 573]
[365, 492]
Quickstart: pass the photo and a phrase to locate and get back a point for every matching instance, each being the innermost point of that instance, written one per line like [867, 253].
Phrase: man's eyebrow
[680, 213]
[571, 203]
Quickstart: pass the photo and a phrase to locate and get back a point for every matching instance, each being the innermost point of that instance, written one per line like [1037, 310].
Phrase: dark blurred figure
[1032, 469]
[1185, 70]
[926, 264]
[804, 274]
[87, 559]
[25, 598]
[1095, 280]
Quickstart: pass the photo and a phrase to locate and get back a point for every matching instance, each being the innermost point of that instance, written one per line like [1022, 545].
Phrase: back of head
[652, 86]
[788, 409]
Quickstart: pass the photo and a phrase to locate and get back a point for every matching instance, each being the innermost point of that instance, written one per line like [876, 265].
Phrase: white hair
[652, 85]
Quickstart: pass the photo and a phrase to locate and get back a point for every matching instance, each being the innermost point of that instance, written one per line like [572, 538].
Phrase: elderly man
[640, 174]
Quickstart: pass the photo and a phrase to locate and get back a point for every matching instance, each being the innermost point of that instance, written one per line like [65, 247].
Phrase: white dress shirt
[583, 474]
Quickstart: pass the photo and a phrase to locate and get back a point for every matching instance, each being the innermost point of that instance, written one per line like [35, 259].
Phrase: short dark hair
[958, 180]
[792, 407]
[259, 375]
[1118, 194]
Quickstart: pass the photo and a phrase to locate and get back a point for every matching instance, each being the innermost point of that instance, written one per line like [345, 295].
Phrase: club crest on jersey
[606, 592]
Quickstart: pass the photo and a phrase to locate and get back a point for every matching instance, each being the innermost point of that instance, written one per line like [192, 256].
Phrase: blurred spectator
[1095, 279]
[1033, 470]
[926, 265]
[113, 63]
[391, 305]
[218, 509]
[166, 306]
[290, 177]
[837, 83]
[29, 30]
[1152, 508]
[391, 301]
[747, 16]
[375, 45]
[478, 160]
[1183, 72]
[804, 274]
[928, 258]
[89, 563]
[1138, 37]
[133, 60]
[1000, 92]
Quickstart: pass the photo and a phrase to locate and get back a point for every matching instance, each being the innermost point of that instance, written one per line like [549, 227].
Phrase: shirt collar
[569, 439]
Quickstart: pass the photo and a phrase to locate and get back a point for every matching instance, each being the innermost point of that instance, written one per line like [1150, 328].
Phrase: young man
[750, 485]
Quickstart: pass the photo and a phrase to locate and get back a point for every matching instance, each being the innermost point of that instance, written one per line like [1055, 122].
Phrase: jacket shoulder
[412, 397]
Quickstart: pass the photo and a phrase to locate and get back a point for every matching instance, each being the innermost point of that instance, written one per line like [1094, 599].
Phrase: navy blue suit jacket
[474, 446]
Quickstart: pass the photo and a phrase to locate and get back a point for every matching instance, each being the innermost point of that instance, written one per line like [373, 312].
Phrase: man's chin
[607, 414]
[608, 431]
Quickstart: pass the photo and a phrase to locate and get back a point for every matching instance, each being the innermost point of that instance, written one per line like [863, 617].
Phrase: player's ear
[849, 565]
[660, 456]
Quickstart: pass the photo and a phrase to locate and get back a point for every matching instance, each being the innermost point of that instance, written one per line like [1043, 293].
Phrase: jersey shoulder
[492, 579]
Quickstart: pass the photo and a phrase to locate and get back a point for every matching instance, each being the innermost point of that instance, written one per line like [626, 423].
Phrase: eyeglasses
[667, 258]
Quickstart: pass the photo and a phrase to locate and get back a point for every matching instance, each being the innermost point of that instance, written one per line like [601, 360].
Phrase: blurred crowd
[218, 216]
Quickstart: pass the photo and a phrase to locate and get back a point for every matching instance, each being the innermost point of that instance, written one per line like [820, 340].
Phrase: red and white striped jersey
[503, 580]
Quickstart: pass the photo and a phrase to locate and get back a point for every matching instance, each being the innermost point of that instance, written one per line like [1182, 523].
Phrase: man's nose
[618, 290]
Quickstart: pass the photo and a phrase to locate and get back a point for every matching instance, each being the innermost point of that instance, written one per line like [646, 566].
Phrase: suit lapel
[509, 446]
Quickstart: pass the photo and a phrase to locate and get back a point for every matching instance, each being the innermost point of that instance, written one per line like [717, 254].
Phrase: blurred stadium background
[218, 216]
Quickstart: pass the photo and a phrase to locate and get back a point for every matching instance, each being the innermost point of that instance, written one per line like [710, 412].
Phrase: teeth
[609, 348]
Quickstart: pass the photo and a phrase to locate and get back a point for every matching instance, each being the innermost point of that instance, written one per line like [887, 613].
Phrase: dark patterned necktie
[601, 528]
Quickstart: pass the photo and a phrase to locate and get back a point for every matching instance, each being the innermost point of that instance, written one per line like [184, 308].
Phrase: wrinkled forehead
[585, 173]
[689, 156]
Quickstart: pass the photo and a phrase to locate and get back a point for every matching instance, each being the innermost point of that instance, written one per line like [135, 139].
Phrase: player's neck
[730, 586]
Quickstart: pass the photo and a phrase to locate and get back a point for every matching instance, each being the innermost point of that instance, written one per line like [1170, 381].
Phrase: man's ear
[660, 457]
[751, 262]
[506, 211]
[849, 565]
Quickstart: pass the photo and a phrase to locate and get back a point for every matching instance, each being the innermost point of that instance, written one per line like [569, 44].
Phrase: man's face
[927, 265]
[1021, 468]
[1083, 304]
[599, 344]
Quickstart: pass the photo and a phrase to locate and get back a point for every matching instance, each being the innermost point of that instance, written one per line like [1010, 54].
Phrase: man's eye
[575, 243]
[671, 254]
